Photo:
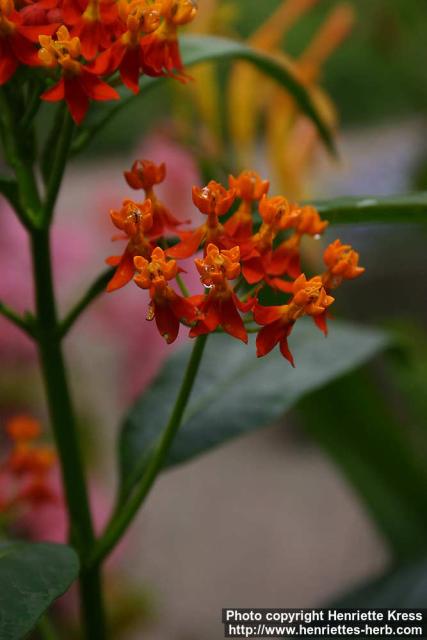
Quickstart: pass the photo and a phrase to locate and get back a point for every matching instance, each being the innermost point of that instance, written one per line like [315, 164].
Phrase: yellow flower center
[63, 51]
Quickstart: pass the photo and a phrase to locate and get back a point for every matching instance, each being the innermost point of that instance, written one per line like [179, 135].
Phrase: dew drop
[150, 313]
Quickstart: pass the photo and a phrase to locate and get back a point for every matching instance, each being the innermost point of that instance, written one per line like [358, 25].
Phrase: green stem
[16, 319]
[58, 166]
[96, 288]
[183, 287]
[123, 517]
[29, 205]
[64, 429]
[33, 104]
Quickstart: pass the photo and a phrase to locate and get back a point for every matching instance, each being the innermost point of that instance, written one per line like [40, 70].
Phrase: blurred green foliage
[380, 70]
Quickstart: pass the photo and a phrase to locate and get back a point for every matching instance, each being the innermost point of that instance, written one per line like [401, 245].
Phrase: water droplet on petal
[150, 313]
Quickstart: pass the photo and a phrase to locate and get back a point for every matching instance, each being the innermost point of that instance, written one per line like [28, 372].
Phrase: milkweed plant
[244, 243]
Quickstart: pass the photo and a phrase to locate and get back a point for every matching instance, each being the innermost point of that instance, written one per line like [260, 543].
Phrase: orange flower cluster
[25, 474]
[79, 41]
[250, 242]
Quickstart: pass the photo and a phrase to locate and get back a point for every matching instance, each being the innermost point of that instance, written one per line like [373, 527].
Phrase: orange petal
[189, 244]
[123, 274]
[231, 321]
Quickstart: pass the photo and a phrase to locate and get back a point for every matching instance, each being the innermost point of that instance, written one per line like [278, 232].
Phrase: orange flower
[127, 54]
[17, 41]
[161, 55]
[286, 259]
[28, 464]
[31, 459]
[135, 220]
[257, 252]
[249, 188]
[23, 428]
[26, 456]
[144, 175]
[166, 306]
[94, 22]
[306, 220]
[78, 84]
[214, 201]
[310, 298]
[221, 306]
[343, 264]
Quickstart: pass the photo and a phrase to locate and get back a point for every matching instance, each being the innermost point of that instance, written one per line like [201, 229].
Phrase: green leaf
[235, 392]
[404, 587]
[197, 49]
[353, 422]
[410, 209]
[32, 576]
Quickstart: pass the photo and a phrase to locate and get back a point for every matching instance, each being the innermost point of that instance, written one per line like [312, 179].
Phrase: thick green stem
[64, 428]
[123, 517]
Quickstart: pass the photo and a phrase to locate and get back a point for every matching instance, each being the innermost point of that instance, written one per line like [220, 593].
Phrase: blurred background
[280, 518]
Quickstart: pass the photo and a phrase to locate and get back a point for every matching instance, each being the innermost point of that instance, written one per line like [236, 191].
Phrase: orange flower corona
[144, 174]
[309, 298]
[135, 220]
[214, 201]
[166, 306]
[342, 263]
[78, 84]
[249, 187]
[221, 306]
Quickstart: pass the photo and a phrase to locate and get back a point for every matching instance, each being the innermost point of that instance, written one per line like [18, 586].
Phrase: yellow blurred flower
[291, 139]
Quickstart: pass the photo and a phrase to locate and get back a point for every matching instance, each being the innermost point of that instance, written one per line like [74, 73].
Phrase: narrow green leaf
[351, 420]
[197, 49]
[404, 587]
[410, 209]
[235, 392]
[32, 576]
